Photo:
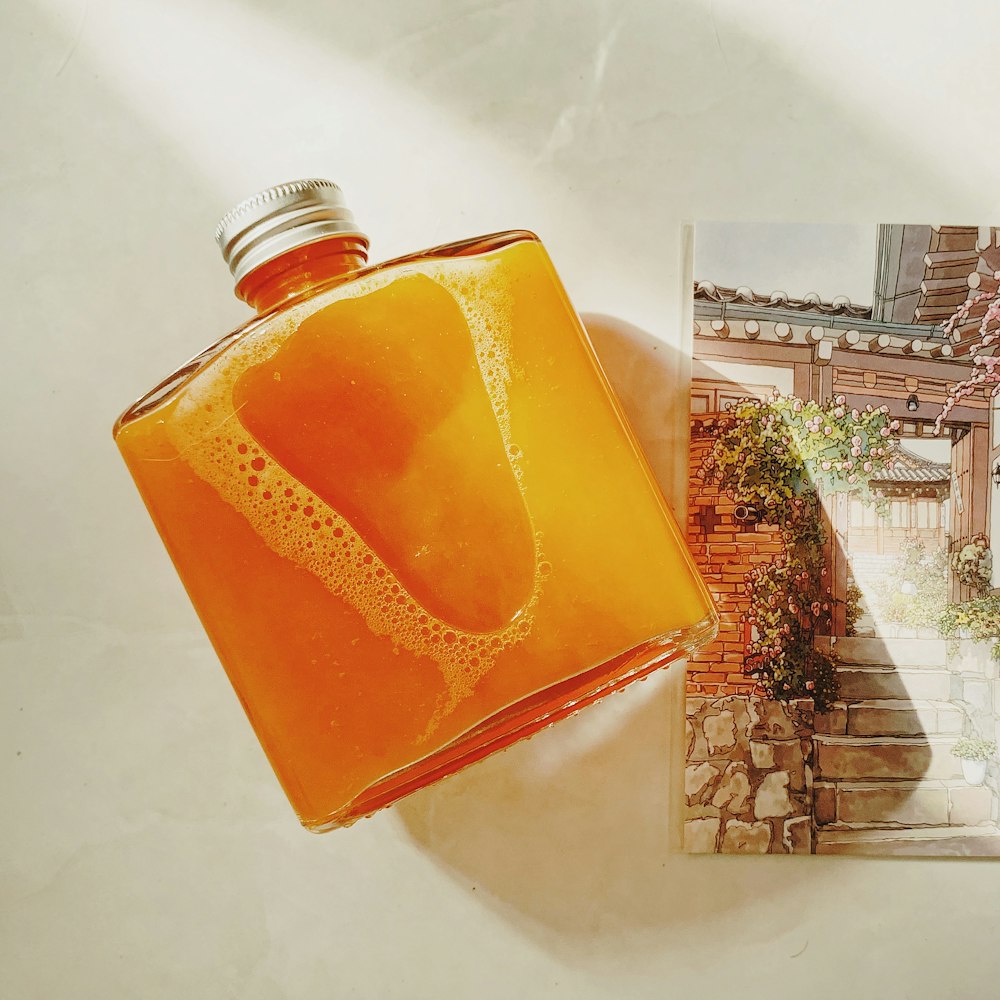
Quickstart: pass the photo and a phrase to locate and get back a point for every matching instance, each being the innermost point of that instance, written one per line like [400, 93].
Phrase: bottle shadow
[571, 831]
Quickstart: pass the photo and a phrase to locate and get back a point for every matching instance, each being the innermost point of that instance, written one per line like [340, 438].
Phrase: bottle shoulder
[477, 246]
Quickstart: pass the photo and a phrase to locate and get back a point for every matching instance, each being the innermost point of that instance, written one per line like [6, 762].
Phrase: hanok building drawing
[941, 489]
[894, 353]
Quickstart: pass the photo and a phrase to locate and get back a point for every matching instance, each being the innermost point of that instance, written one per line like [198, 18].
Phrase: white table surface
[145, 849]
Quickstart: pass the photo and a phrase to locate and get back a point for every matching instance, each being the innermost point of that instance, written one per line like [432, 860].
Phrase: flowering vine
[779, 456]
[986, 367]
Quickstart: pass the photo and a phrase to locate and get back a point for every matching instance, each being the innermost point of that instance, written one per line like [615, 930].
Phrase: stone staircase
[886, 781]
[866, 566]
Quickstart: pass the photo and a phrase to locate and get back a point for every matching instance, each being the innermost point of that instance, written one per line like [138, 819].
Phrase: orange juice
[410, 514]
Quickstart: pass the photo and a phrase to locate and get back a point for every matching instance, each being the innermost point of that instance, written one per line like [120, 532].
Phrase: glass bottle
[406, 505]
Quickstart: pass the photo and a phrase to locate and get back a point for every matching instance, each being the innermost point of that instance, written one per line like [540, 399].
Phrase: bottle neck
[300, 269]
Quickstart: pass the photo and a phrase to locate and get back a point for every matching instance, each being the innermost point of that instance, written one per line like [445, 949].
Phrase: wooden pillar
[970, 495]
[801, 375]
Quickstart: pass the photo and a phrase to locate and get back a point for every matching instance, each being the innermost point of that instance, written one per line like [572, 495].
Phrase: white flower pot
[974, 771]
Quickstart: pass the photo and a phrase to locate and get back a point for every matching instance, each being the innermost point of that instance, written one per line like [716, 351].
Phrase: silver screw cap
[280, 219]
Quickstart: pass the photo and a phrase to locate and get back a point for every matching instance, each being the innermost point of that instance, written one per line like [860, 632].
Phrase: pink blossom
[885, 432]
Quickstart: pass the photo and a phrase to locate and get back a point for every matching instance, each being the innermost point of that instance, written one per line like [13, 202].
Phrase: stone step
[881, 804]
[886, 652]
[881, 683]
[857, 758]
[952, 841]
[890, 717]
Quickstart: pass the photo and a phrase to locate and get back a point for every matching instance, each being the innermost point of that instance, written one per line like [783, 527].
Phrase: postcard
[844, 491]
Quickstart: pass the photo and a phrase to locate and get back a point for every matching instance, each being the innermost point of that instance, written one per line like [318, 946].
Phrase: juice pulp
[413, 523]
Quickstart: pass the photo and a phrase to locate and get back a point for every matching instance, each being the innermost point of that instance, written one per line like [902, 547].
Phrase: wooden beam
[979, 282]
[943, 287]
[783, 332]
[764, 352]
[879, 343]
[954, 271]
[948, 258]
[941, 351]
[720, 328]
[936, 313]
[849, 339]
[922, 365]
[752, 329]
[954, 238]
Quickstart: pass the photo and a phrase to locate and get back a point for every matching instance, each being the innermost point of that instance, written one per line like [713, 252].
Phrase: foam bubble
[303, 528]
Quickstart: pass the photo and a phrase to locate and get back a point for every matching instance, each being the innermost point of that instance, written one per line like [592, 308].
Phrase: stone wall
[724, 550]
[748, 780]
[975, 688]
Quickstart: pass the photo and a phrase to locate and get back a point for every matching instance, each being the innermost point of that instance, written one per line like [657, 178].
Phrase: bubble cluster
[300, 526]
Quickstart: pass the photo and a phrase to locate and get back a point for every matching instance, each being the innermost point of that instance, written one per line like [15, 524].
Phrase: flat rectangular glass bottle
[406, 505]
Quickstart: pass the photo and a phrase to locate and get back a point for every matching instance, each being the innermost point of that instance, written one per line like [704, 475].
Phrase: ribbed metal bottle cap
[280, 219]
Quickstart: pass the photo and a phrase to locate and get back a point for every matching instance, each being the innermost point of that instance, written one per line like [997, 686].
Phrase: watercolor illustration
[844, 491]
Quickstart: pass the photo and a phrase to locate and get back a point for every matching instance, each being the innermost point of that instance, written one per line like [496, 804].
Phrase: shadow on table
[570, 830]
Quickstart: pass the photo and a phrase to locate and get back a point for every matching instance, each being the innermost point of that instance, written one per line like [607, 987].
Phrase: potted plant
[973, 564]
[974, 754]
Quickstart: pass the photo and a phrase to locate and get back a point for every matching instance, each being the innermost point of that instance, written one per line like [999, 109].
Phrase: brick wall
[724, 550]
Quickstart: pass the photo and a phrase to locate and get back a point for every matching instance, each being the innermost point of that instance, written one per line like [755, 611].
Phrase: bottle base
[523, 719]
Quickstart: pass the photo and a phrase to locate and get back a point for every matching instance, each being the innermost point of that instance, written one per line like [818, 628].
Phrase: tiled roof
[707, 291]
[910, 468]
